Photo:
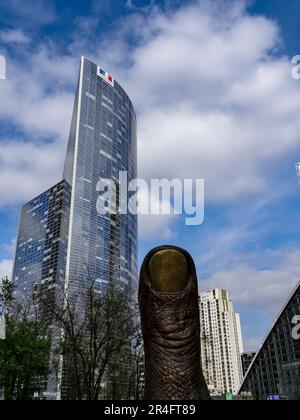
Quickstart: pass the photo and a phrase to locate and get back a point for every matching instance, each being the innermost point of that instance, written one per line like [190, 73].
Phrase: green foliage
[100, 344]
[6, 291]
[23, 360]
[24, 353]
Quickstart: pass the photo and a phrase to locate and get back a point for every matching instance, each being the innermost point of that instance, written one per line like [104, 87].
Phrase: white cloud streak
[5, 268]
[260, 289]
[14, 36]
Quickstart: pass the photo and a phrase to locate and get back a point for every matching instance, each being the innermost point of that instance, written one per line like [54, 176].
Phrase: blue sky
[212, 85]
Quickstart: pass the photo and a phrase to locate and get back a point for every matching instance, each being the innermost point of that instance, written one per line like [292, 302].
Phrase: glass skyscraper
[42, 241]
[63, 239]
[102, 143]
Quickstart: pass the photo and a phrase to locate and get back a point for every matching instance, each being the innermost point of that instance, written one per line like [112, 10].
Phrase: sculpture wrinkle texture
[168, 297]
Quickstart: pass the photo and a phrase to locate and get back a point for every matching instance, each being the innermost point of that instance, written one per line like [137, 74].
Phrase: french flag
[105, 76]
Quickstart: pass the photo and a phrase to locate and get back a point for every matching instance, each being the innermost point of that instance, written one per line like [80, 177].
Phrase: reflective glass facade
[100, 248]
[275, 370]
[42, 240]
[247, 359]
[62, 239]
[102, 143]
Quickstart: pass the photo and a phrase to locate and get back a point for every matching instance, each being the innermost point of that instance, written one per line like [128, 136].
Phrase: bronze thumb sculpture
[168, 297]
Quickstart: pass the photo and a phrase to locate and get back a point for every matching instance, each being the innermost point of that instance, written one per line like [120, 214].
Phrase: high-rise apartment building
[63, 239]
[221, 342]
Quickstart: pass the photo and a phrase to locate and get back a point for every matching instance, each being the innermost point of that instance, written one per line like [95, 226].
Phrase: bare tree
[138, 368]
[125, 373]
[96, 325]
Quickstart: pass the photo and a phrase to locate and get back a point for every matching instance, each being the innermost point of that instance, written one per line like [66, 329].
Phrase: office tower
[41, 250]
[221, 342]
[63, 239]
[247, 359]
[102, 144]
[42, 241]
[275, 371]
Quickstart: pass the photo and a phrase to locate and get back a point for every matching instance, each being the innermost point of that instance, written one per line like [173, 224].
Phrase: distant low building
[275, 370]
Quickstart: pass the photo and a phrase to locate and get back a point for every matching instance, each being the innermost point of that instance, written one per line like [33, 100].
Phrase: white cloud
[39, 99]
[6, 268]
[215, 103]
[14, 36]
[159, 227]
[263, 290]
[27, 169]
[155, 226]
[259, 293]
[252, 344]
[10, 247]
